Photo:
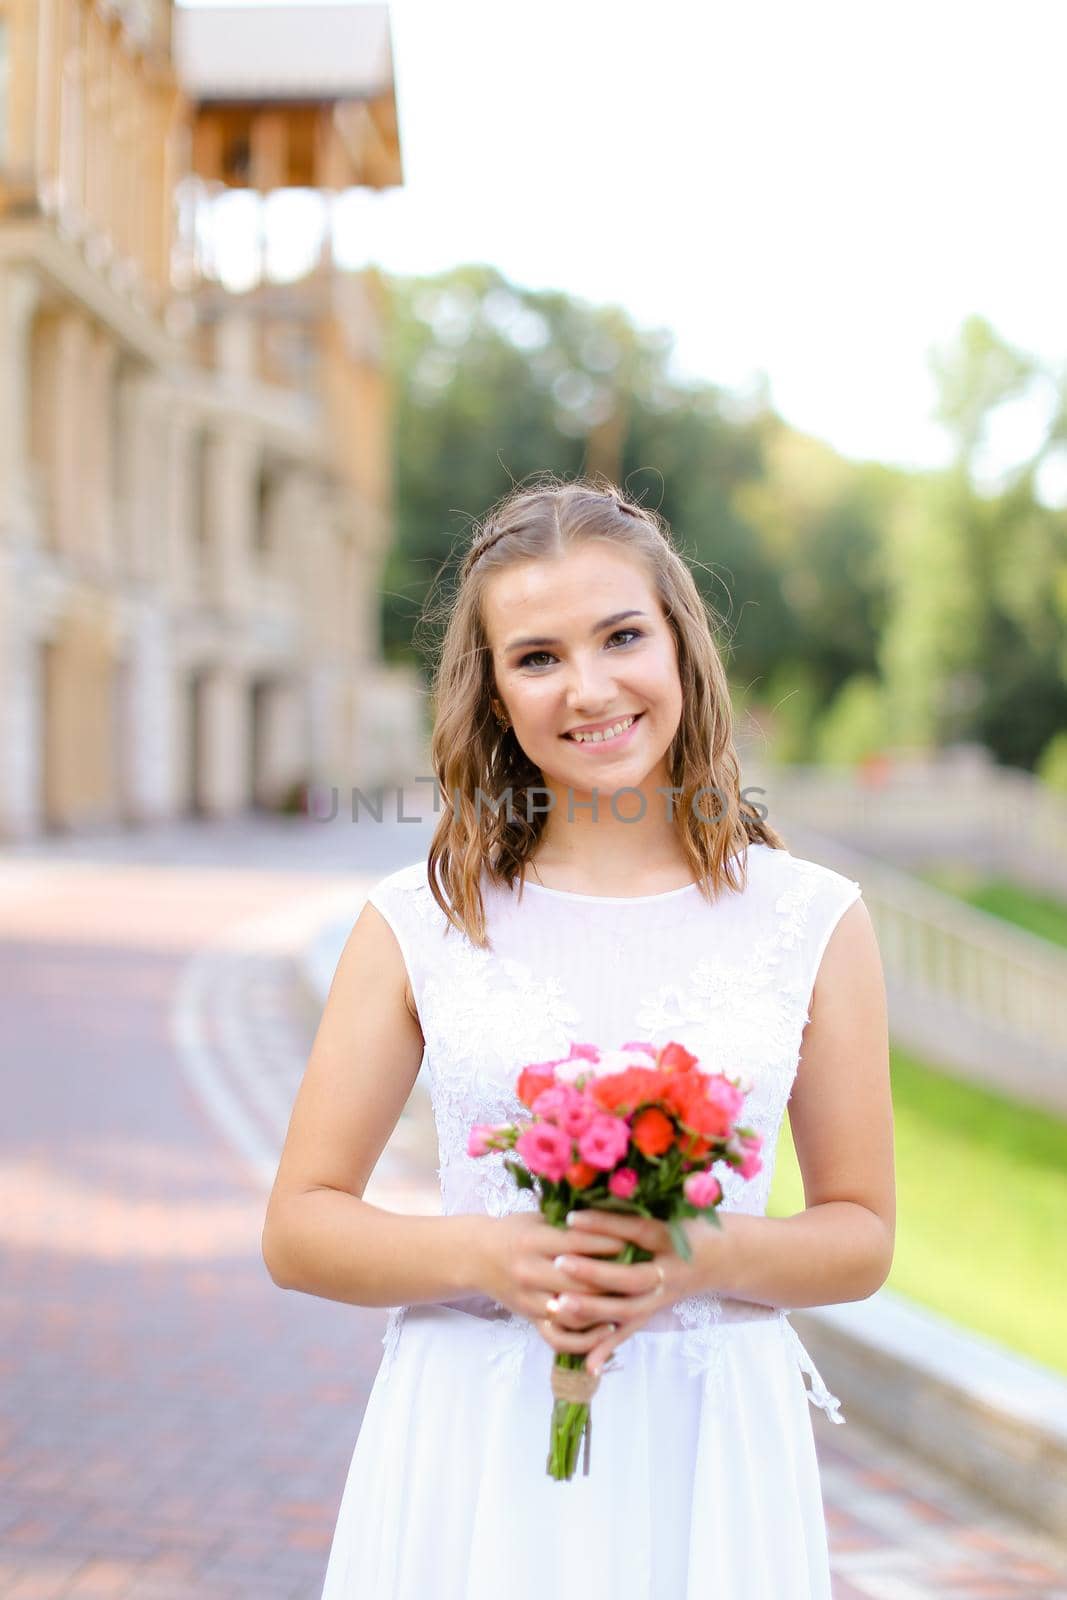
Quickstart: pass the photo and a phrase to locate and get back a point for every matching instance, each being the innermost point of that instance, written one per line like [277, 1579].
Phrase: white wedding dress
[703, 1475]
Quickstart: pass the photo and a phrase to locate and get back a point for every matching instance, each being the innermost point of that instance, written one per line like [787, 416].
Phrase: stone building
[195, 495]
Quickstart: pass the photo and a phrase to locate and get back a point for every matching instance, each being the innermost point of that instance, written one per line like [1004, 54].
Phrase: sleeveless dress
[703, 1475]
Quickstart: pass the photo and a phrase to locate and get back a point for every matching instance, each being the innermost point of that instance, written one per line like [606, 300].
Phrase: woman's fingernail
[572, 1216]
[595, 1369]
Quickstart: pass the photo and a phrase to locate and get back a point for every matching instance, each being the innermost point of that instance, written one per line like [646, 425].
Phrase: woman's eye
[634, 633]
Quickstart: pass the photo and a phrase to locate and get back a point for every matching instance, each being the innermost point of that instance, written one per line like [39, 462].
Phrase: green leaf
[679, 1240]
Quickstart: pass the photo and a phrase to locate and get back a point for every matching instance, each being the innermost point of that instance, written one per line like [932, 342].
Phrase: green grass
[981, 1208]
[1041, 914]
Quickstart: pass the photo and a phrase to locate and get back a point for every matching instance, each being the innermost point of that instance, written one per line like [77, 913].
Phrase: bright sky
[817, 191]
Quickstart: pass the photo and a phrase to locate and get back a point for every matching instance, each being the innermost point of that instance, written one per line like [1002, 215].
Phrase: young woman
[626, 893]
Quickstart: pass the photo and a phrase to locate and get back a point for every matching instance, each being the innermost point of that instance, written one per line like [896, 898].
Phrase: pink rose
[479, 1139]
[604, 1141]
[722, 1093]
[551, 1102]
[753, 1161]
[578, 1113]
[623, 1183]
[747, 1149]
[702, 1188]
[545, 1149]
[588, 1052]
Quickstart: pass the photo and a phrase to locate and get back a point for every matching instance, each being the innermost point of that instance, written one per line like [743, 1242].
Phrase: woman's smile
[607, 739]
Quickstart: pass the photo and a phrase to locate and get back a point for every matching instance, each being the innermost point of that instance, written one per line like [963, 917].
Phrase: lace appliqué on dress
[510, 1338]
[745, 1019]
[482, 1013]
[390, 1339]
[509, 1341]
[701, 1316]
[818, 1395]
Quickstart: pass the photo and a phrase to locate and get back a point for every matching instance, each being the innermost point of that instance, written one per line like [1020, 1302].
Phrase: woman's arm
[841, 1114]
[342, 1248]
[320, 1236]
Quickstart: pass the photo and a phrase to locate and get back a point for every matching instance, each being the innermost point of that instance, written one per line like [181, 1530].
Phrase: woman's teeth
[608, 733]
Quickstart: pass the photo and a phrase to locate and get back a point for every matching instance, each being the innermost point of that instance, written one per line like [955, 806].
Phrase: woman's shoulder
[800, 884]
[404, 888]
[409, 876]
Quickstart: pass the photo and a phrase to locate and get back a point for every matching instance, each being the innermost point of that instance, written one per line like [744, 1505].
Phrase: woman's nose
[590, 686]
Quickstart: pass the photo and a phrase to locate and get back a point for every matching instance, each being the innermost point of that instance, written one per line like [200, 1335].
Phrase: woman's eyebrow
[598, 627]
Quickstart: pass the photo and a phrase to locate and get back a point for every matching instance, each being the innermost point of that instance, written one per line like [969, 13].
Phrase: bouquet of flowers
[637, 1130]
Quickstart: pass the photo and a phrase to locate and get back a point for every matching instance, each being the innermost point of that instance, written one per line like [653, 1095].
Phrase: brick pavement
[172, 1424]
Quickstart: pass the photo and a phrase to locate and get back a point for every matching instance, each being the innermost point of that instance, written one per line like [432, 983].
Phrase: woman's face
[578, 640]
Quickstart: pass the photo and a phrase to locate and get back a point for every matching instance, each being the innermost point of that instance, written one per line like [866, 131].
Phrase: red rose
[675, 1057]
[532, 1080]
[622, 1092]
[710, 1119]
[694, 1146]
[682, 1093]
[652, 1132]
[580, 1174]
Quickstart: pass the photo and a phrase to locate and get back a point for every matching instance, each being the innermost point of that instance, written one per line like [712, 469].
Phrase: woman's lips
[605, 744]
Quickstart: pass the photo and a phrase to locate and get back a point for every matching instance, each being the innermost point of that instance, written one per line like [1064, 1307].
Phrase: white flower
[610, 1061]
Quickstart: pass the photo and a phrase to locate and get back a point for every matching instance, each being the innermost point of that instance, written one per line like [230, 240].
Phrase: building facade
[195, 487]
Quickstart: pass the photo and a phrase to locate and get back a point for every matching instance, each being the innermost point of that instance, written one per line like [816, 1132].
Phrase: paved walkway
[172, 1425]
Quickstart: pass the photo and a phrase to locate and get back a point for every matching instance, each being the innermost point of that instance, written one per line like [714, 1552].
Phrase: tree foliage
[857, 602]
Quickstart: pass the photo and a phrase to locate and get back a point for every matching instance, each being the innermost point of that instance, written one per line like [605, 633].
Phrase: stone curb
[990, 1417]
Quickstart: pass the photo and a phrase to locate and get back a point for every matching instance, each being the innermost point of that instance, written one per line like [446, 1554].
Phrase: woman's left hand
[625, 1293]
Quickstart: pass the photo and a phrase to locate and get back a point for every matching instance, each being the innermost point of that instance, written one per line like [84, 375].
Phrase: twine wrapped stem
[576, 1386]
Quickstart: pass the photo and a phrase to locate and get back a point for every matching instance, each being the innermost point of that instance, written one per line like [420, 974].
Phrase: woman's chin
[606, 778]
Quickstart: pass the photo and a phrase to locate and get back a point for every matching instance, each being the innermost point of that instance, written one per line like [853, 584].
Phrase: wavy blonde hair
[470, 752]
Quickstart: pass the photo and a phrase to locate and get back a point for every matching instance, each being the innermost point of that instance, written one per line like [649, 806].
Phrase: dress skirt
[694, 1488]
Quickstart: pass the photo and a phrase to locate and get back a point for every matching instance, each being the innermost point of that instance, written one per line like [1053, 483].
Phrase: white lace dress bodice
[731, 980]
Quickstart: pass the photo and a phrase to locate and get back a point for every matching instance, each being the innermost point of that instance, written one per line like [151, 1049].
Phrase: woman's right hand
[519, 1253]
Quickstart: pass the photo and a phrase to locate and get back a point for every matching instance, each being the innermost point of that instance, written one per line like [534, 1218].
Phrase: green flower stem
[569, 1420]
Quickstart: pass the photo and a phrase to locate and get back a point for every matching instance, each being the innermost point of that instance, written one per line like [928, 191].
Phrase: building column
[99, 143]
[142, 481]
[49, 88]
[98, 444]
[278, 734]
[78, 722]
[20, 705]
[224, 742]
[322, 701]
[164, 137]
[182, 491]
[19, 295]
[72, 525]
[21, 518]
[18, 155]
[148, 731]
[233, 466]
[72, 113]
